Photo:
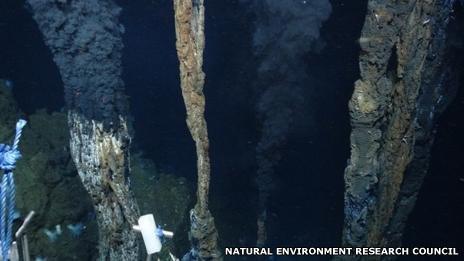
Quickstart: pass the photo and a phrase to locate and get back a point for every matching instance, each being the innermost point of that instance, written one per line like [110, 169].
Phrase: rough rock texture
[393, 111]
[85, 40]
[101, 158]
[438, 87]
[189, 20]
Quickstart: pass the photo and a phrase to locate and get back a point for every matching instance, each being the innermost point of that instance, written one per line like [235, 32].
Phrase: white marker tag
[147, 226]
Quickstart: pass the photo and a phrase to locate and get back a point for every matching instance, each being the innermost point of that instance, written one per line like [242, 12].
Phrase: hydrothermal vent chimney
[85, 40]
[190, 20]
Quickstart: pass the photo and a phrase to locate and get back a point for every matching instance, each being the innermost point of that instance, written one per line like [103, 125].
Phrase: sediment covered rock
[85, 40]
[190, 22]
[404, 67]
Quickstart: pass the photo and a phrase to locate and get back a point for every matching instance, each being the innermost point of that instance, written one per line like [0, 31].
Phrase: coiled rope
[8, 157]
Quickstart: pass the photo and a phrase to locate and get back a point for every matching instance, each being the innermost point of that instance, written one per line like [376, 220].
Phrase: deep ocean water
[293, 122]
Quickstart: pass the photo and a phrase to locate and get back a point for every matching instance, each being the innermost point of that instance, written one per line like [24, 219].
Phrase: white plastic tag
[147, 226]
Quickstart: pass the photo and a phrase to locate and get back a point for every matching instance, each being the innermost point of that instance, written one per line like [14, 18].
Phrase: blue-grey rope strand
[11, 207]
[8, 191]
[19, 131]
[3, 217]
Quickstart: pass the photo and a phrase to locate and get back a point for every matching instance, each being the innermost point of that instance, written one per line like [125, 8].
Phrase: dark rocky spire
[85, 40]
[190, 20]
[393, 113]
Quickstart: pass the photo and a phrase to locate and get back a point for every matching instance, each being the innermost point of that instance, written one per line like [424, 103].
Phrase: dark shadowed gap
[26, 60]
[392, 65]
[229, 68]
[308, 208]
[151, 75]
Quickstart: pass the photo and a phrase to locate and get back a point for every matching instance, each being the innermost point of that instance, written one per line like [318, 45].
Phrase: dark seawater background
[307, 206]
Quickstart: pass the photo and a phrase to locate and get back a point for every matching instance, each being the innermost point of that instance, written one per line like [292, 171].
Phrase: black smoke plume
[285, 31]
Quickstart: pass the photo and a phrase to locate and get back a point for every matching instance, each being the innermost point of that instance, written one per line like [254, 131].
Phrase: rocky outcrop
[189, 20]
[438, 87]
[393, 111]
[101, 158]
[85, 40]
